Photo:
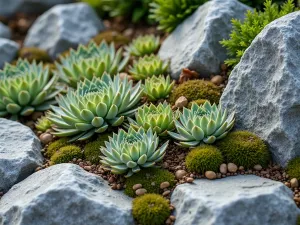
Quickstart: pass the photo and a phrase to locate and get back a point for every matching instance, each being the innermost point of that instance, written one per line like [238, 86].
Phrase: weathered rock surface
[20, 153]
[38, 6]
[63, 27]
[194, 44]
[4, 31]
[264, 88]
[9, 7]
[64, 194]
[8, 51]
[238, 200]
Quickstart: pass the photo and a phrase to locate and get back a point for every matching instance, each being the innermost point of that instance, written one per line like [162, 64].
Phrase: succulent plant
[43, 124]
[128, 152]
[94, 106]
[143, 45]
[156, 88]
[205, 123]
[26, 88]
[158, 118]
[90, 61]
[148, 66]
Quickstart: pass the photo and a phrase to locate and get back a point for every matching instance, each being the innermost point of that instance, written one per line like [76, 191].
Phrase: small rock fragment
[46, 138]
[180, 174]
[294, 183]
[140, 191]
[223, 168]
[211, 175]
[257, 167]
[164, 185]
[181, 102]
[137, 186]
[232, 168]
[217, 80]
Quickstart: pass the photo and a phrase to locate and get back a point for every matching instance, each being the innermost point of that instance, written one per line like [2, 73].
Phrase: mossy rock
[33, 53]
[55, 146]
[293, 168]
[111, 36]
[244, 149]
[150, 209]
[150, 178]
[92, 149]
[197, 89]
[66, 154]
[204, 158]
[198, 102]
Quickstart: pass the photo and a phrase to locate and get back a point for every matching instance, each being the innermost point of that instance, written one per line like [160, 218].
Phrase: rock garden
[149, 112]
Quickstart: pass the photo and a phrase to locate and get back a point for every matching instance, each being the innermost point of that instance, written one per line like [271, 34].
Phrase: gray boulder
[264, 88]
[20, 153]
[194, 44]
[8, 51]
[63, 27]
[4, 31]
[239, 200]
[39, 6]
[9, 7]
[64, 194]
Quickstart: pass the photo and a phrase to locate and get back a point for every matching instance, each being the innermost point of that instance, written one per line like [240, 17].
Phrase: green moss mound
[204, 158]
[150, 209]
[34, 54]
[198, 102]
[151, 179]
[244, 149]
[197, 89]
[91, 150]
[293, 168]
[66, 154]
[111, 36]
[55, 146]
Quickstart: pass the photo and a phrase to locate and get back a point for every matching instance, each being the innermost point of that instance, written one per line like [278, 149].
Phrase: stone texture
[237, 200]
[4, 31]
[8, 51]
[264, 88]
[9, 7]
[20, 153]
[194, 44]
[64, 194]
[63, 27]
[39, 6]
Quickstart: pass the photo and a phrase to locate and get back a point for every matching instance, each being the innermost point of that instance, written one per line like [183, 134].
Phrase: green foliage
[243, 33]
[258, 4]
[158, 118]
[150, 179]
[26, 88]
[244, 149]
[197, 89]
[170, 13]
[198, 102]
[66, 154]
[87, 62]
[157, 88]
[91, 150]
[43, 124]
[55, 146]
[127, 152]
[205, 123]
[111, 36]
[34, 54]
[95, 106]
[143, 45]
[293, 168]
[204, 158]
[148, 66]
[150, 209]
[298, 220]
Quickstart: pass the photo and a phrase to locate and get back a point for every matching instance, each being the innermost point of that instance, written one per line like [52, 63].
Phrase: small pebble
[241, 168]
[257, 167]
[164, 185]
[166, 193]
[223, 168]
[137, 186]
[211, 175]
[46, 138]
[88, 168]
[294, 183]
[190, 180]
[217, 80]
[232, 168]
[173, 218]
[181, 102]
[180, 174]
[140, 191]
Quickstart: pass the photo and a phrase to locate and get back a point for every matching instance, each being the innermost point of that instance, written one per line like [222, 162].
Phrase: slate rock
[39, 6]
[4, 31]
[264, 88]
[9, 7]
[8, 51]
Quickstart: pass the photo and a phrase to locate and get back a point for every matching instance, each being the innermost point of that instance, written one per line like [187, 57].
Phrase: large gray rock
[239, 200]
[264, 88]
[8, 51]
[20, 153]
[9, 7]
[64, 194]
[38, 6]
[194, 44]
[63, 27]
[4, 31]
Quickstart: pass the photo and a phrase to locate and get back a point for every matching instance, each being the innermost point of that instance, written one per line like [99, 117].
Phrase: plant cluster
[143, 45]
[244, 32]
[111, 36]
[34, 54]
[293, 168]
[205, 123]
[43, 124]
[158, 87]
[55, 146]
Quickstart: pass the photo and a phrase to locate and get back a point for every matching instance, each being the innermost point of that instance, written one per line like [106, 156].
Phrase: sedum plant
[170, 13]
[156, 88]
[243, 33]
[43, 124]
[26, 88]
[131, 151]
[92, 60]
[159, 118]
[94, 106]
[205, 123]
[143, 45]
[148, 66]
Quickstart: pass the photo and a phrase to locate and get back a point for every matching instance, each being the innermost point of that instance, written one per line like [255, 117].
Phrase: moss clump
[204, 158]
[198, 102]
[197, 89]
[150, 209]
[293, 168]
[66, 154]
[244, 149]
[151, 179]
[34, 54]
[92, 149]
[111, 36]
[55, 146]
